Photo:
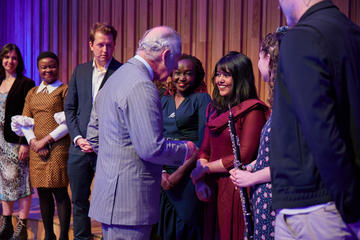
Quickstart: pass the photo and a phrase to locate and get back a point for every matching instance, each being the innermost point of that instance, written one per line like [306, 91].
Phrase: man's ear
[91, 45]
[165, 54]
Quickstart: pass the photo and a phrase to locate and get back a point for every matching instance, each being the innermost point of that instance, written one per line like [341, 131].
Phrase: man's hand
[84, 145]
[23, 152]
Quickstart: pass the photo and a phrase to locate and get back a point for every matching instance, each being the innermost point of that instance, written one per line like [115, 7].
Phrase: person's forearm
[262, 176]
[48, 139]
[216, 166]
[187, 166]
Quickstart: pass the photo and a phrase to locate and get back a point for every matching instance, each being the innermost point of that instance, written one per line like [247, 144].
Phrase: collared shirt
[50, 87]
[151, 72]
[97, 78]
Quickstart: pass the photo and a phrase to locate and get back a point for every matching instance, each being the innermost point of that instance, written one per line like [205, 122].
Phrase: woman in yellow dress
[49, 146]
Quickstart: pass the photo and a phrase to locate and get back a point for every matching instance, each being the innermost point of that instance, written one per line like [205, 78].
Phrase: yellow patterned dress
[42, 107]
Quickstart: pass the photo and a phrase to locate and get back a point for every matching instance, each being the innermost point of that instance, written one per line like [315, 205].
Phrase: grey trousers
[124, 232]
[325, 224]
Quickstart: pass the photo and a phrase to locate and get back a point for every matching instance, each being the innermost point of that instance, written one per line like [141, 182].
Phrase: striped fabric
[126, 127]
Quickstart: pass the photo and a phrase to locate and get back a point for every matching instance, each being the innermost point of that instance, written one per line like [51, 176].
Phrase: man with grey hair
[125, 129]
[315, 150]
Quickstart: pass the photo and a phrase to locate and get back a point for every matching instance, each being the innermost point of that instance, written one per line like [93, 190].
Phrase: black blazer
[14, 106]
[78, 102]
[315, 133]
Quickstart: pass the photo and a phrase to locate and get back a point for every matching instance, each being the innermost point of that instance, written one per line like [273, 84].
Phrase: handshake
[169, 181]
[203, 191]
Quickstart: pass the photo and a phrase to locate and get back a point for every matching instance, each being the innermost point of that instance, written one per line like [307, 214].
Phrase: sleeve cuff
[186, 151]
[59, 132]
[76, 138]
[28, 133]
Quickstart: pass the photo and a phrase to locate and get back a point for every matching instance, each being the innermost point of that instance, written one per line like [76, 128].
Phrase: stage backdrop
[209, 28]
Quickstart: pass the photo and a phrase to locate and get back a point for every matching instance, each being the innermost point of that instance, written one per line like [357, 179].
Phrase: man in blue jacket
[86, 80]
[315, 147]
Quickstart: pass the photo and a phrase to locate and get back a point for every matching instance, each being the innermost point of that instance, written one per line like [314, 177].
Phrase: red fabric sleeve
[249, 130]
[205, 151]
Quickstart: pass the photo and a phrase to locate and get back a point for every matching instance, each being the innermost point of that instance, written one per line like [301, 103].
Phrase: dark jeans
[81, 169]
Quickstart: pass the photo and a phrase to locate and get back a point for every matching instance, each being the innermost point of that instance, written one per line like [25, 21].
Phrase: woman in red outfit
[233, 82]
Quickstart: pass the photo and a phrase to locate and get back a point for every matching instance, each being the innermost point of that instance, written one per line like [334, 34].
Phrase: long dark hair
[240, 68]
[20, 67]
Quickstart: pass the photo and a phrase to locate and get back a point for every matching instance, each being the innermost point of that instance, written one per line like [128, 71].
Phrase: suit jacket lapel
[109, 71]
[88, 80]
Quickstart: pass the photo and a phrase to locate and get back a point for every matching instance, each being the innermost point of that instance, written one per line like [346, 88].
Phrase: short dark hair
[241, 70]
[5, 50]
[103, 28]
[47, 54]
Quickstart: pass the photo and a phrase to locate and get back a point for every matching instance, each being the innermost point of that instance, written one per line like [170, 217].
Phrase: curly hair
[199, 83]
[240, 68]
[271, 46]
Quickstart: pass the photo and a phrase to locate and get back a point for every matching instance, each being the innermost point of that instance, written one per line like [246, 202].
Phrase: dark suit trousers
[81, 169]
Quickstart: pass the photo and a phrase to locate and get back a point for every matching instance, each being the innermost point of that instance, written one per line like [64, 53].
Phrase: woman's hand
[44, 154]
[175, 177]
[241, 178]
[199, 171]
[165, 183]
[36, 145]
[203, 191]
[23, 152]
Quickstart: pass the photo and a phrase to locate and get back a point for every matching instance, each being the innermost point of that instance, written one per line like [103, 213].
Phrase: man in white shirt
[84, 85]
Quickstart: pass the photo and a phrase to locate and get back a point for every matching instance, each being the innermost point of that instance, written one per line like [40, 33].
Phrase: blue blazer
[78, 103]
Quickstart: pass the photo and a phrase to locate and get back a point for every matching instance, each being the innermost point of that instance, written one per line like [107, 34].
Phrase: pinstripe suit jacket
[126, 124]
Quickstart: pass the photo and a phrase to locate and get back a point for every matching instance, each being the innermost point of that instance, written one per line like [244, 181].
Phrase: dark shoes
[20, 232]
[7, 231]
[6, 228]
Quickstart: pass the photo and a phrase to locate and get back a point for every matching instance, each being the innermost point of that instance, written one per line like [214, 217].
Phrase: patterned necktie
[45, 90]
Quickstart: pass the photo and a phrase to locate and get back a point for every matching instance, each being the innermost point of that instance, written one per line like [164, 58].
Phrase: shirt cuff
[28, 133]
[59, 132]
[76, 138]
[186, 151]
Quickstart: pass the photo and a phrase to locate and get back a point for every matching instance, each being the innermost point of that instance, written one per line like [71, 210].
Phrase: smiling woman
[14, 170]
[48, 70]
[184, 119]
[49, 145]
[233, 82]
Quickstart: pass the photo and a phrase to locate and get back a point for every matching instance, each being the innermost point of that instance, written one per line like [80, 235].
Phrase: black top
[315, 136]
[14, 106]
